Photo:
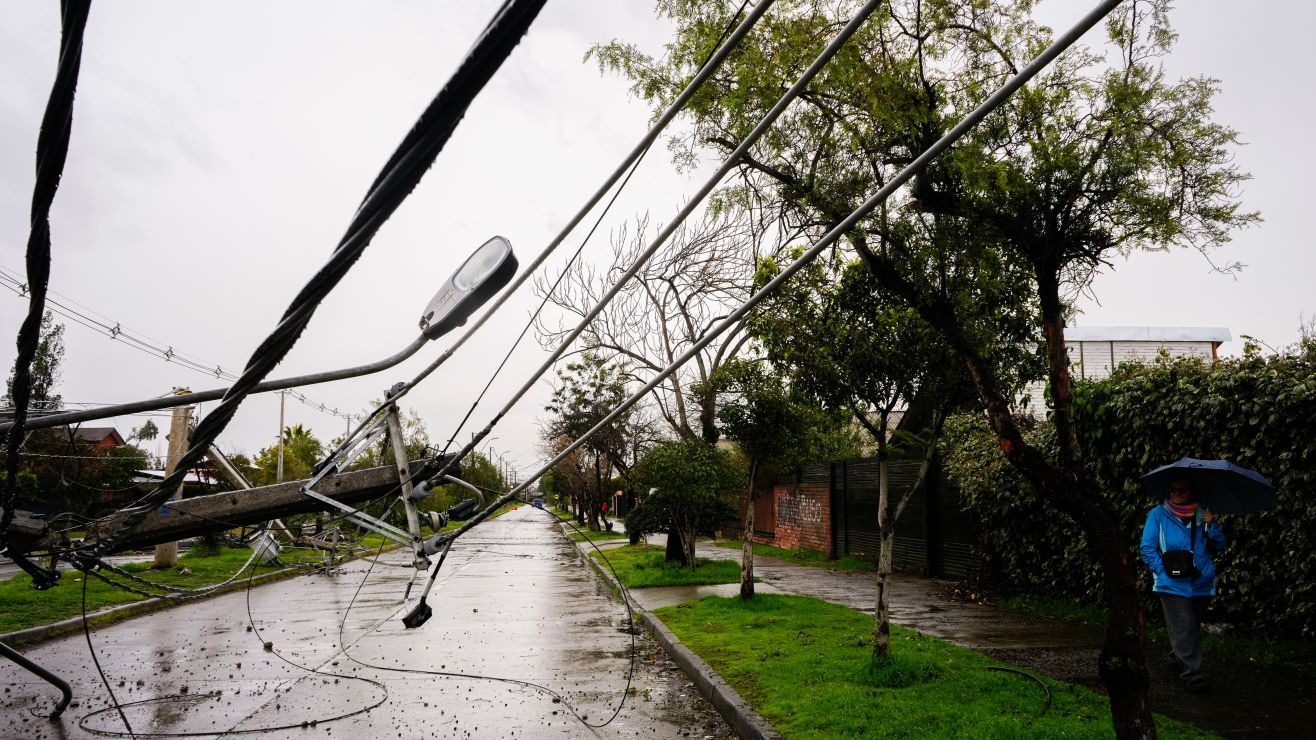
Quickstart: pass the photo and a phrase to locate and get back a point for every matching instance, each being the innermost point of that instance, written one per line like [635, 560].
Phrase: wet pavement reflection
[524, 642]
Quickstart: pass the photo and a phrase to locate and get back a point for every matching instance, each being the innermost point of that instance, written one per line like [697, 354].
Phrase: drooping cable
[52, 151]
[399, 177]
[729, 164]
[677, 105]
[86, 632]
[971, 120]
[597, 222]
[558, 697]
[193, 698]
[117, 332]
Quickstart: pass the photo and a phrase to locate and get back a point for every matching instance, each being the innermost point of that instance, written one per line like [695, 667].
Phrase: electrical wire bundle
[400, 175]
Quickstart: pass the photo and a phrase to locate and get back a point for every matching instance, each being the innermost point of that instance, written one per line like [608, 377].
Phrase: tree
[146, 432]
[415, 440]
[588, 390]
[687, 479]
[477, 470]
[45, 374]
[1089, 161]
[844, 343]
[301, 451]
[771, 422]
[699, 275]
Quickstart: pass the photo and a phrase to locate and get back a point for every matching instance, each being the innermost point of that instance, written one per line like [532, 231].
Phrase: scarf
[1184, 511]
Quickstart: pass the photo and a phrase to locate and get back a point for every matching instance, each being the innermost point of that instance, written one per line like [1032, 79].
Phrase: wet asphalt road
[515, 602]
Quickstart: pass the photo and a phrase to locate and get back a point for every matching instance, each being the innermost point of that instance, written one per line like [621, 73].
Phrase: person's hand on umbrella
[1207, 516]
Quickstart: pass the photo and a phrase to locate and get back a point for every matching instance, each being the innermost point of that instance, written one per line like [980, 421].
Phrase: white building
[1095, 351]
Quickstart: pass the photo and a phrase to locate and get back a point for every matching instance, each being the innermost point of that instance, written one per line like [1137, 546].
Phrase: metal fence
[932, 536]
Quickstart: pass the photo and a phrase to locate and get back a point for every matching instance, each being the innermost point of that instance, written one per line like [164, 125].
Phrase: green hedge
[1259, 412]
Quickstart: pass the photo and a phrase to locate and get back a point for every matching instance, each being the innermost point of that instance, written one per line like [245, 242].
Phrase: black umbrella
[1221, 486]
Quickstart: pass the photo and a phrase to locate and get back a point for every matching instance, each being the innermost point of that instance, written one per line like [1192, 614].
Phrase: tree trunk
[708, 418]
[747, 540]
[1068, 486]
[675, 546]
[1123, 662]
[886, 547]
[597, 498]
[688, 535]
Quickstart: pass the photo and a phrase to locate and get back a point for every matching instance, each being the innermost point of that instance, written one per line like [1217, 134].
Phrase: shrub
[1258, 412]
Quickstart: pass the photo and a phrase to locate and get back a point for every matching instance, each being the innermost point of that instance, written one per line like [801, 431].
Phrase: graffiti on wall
[800, 509]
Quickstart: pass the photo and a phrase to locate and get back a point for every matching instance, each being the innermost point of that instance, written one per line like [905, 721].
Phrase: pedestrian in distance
[1177, 545]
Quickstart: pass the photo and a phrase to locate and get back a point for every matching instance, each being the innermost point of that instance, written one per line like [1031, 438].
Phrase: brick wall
[804, 517]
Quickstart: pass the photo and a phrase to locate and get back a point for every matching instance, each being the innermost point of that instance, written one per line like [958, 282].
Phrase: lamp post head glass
[482, 275]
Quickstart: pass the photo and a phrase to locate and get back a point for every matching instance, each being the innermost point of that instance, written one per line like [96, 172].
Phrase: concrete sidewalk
[1249, 701]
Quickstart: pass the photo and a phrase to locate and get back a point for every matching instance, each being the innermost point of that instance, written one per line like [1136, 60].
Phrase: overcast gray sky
[219, 149]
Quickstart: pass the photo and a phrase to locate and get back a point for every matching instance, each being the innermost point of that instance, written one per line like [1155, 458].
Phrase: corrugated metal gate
[932, 535]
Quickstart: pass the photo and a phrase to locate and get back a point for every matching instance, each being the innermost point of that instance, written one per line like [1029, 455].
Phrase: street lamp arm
[187, 399]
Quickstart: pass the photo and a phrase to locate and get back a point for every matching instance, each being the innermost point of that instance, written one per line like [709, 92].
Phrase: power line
[115, 330]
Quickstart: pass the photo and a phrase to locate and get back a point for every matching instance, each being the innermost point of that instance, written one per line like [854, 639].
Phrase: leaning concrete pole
[166, 553]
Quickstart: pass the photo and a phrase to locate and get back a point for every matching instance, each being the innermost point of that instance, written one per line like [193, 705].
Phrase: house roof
[1214, 334]
[98, 434]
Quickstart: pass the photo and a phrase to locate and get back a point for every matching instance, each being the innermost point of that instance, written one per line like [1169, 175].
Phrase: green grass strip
[806, 665]
[26, 607]
[642, 566]
[602, 535]
[811, 558]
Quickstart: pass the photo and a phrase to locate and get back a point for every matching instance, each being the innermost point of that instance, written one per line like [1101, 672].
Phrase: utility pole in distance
[180, 429]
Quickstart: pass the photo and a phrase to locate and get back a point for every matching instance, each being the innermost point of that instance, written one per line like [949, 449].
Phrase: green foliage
[644, 566]
[26, 607]
[301, 451]
[844, 342]
[1028, 546]
[806, 665]
[771, 422]
[146, 432]
[44, 373]
[477, 470]
[603, 535]
[691, 478]
[588, 390]
[1254, 411]
[71, 475]
[27, 489]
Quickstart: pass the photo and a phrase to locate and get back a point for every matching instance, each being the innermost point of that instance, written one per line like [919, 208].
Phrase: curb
[746, 722]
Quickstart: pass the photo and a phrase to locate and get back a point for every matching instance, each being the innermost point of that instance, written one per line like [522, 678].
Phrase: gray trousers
[1183, 620]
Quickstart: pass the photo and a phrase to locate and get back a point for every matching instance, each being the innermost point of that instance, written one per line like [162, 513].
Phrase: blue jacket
[1163, 532]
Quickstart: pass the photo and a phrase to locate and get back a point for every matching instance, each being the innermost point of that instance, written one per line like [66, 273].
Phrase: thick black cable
[394, 183]
[86, 631]
[1040, 682]
[726, 31]
[719, 54]
[52, 151]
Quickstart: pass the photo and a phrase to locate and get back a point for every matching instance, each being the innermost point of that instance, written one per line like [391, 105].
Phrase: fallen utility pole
[217, 512]
[180, 432]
